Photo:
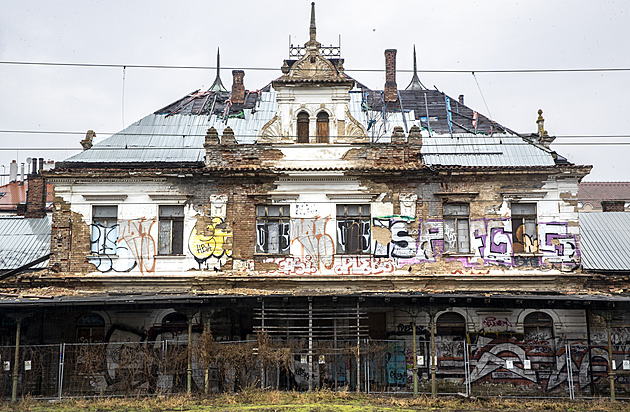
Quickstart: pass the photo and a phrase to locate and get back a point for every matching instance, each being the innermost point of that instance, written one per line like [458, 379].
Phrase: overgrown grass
[320, 401]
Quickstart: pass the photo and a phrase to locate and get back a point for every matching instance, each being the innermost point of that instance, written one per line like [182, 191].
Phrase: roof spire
[313, 28]
[217, 86]
[415, 84]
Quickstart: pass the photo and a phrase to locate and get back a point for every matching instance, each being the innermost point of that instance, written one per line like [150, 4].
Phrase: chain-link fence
[560, 369]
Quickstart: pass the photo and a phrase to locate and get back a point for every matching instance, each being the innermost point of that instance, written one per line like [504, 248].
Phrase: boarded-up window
[524, 233]
[538, 326]
[353, 229]
[272, 229]
[302, 127]
[456, 232]
[451, 324]
[322, 127]
[104, 230]
[171, 230]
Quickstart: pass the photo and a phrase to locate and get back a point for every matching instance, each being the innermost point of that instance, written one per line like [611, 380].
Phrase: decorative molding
[408, 204]
[351, 197]
[354, 128]
[282, 197]
[522, 195]
[104, 197]
[271, 132]
[164, 197]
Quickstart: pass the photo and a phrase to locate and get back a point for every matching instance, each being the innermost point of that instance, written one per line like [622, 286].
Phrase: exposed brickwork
[35, 197]
[238, 88]
[390, 90]
[613, 205]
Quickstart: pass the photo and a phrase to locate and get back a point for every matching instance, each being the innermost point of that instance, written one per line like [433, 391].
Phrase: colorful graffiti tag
[214, 242]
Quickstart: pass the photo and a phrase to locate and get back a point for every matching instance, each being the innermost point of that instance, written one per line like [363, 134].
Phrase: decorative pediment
[312, 66]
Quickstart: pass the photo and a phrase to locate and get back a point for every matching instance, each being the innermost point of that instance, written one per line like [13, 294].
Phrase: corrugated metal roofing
[179, 138]
[603, 240]
[23, 240]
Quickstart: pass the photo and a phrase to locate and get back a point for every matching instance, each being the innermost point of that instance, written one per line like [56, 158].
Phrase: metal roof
[23, 240]
[177, 137]
[603, 241]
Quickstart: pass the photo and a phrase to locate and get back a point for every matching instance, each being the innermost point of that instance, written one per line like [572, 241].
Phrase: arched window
[538, 326]
[451, 324]
[322, 127]
[302, 127]
[91, 328]
[175, 323]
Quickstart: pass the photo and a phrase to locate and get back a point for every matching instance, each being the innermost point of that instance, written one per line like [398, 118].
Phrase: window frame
[458, 219]
[445, 324]
[174, 244]
[348, 220]
[322, 118]
[107, 224]
[279, 226]
[524, 220]
[303, 119]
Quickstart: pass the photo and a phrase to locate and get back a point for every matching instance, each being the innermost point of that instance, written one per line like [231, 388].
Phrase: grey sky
[467, 35]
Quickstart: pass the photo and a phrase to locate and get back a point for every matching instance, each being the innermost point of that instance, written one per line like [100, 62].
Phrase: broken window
[272, 229]
[451, 324]
[524, 234]
[322, 127]
[104, 230]
[353, 229]
[171, 230]
[456, 232]
[538, 327]
[302, 127]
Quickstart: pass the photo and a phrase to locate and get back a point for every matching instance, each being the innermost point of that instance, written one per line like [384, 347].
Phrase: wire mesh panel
[37, 368]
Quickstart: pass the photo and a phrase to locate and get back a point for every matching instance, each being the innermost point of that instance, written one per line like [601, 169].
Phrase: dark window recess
[273, 229]
[451, 324]
[456, 231]
[377, 325]
[322, 128]
[524, 233]
[538, 326]
[171, 230]
[353, 229]
[302, 127]
[91, 328]
[104, 230]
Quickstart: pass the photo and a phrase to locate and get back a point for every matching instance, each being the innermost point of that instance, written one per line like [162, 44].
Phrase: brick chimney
[35, 197]
[238, 88]
[391, 90]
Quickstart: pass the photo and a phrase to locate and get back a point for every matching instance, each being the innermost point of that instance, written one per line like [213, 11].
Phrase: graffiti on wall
[342, 265]
[210, 241]
[130, 243]
[316, 244]
[392, 238]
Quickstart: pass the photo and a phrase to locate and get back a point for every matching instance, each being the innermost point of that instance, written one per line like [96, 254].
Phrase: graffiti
[294, 265]
[212, 241]
[407, 329]
[492, 322]
[363, 265]
[316, 243]
[136, 233]
[557, 245]
[305, 210]
[430, 243]
[392, 239]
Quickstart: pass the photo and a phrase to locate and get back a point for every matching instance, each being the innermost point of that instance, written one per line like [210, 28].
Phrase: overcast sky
[461, 35]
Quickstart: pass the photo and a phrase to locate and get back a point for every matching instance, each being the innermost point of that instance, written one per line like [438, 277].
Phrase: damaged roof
[603, 241]
[23, 240]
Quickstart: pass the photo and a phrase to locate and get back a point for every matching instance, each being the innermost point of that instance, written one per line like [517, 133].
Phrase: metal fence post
[567, 353]
[16, 365]
[62, 359]
[467, 369]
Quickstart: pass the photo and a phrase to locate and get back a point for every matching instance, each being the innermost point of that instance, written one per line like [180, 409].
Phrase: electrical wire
[165, 66]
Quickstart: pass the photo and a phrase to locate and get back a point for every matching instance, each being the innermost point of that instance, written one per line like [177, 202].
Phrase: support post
[358, 350]
[206, 376]
[62, 356]
[310, 345]
[415, 357]
[611, 370]
[433, 356]
[16, 366]
[189, 350]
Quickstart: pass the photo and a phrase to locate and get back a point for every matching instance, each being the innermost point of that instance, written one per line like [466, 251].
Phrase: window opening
[451, 324]
[538, 326]
[353, 229]
[456, 231]
[272, 229]
[104, 231]
[171, 230]
[302, 127]
[524, 233]
[91, 328]
[322, 128]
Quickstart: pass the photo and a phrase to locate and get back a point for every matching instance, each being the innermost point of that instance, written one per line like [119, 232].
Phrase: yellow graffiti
[214, 241]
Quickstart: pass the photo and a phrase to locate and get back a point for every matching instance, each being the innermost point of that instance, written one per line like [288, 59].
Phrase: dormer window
[302, 127]
[322, 127]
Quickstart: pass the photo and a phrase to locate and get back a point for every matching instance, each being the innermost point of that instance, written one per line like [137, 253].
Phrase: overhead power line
[165, 66]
